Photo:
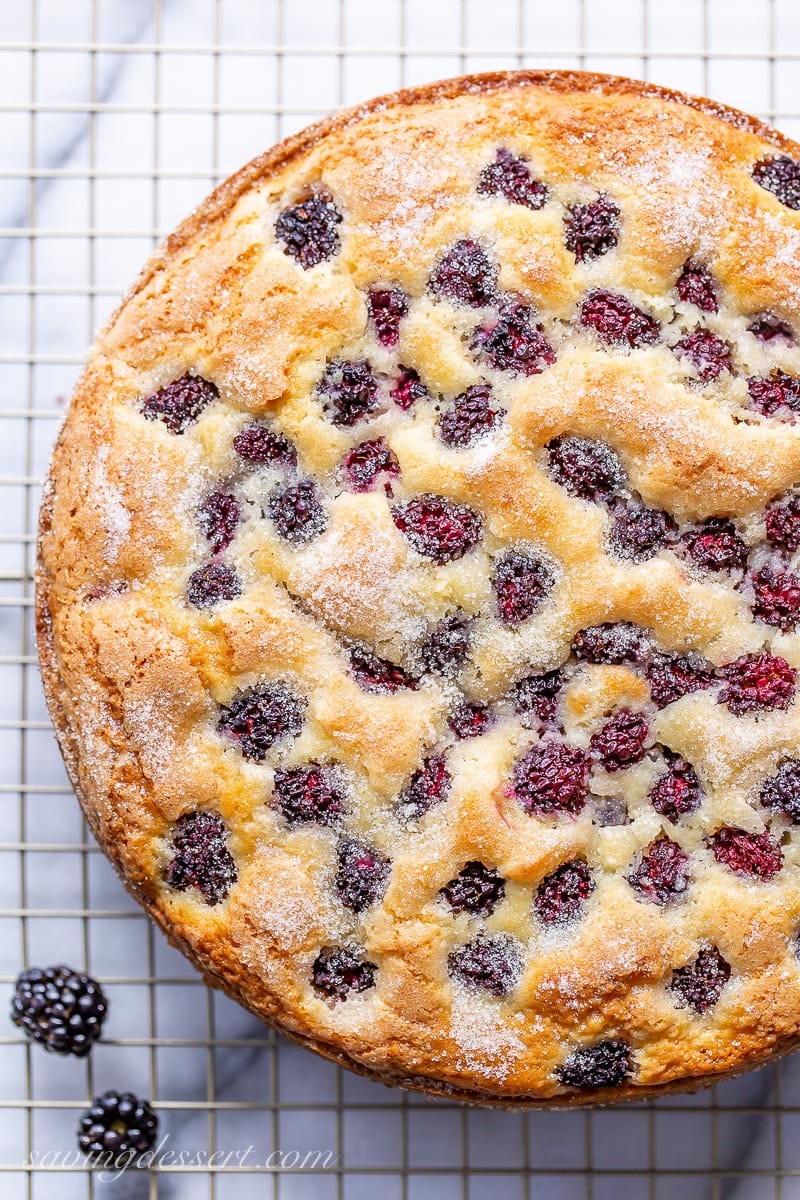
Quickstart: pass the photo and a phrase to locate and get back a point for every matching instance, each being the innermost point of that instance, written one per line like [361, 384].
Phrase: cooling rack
[118, 116]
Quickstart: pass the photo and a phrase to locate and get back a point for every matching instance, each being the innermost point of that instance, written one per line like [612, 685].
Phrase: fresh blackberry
[621, 742]
[755, 854]
[377, 675]
[781, 176]
[617, 321]
[308, 229]
[585, 468]
[715, 545]
[118, 1128]
[776, 598]
[513, 343]
[361, 875]
[387, 307]
[260, 716]
[509, 176]
[349, 390]
[767, 327]
[180, 403]
[536, 698]
[592, 229]
[550, 778]
[309, 793]
[470, 719]
[262, 446]
[429, 785]
[477, 890]
[489, 963]
[60, 1008]
[211, 585]
[466, 274]
[445, 647]
[781, 792]
[676, 792]
[613, 642]
[699, 984]
[708, 354]
[757, 683]
[520, 584]
[603, 1065]
[696, 286]
[470, 417]
[297, 511]
[339, 970]
[775, 392]
[201, 859]
[561, 896]
[438, 528]
[672, 676]
[662, 874]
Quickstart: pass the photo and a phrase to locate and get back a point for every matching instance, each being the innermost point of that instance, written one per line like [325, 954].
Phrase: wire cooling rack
[117, 117]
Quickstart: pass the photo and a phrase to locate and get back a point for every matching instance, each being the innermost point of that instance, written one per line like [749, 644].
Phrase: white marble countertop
[87, 166]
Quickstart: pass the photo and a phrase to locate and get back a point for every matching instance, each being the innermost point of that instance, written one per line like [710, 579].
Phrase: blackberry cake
[418, 591]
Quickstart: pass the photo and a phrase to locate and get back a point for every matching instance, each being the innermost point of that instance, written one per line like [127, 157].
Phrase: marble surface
[104, 181]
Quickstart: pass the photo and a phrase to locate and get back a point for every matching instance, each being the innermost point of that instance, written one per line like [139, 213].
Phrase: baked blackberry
[61, 1009]
[118, 1128]
[603, 1065]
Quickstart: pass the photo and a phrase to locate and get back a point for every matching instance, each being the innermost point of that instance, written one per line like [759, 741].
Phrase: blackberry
[309, 793]
[592, 229]
[676, 792]
[637, 532]
[489, 963]
[774, 392]
[550, 778]
[768, 327]
[180, 403]
[349, 390]
[429, 785]
[520, 584]
[260, 716]
[470, 719]
[781, 792]
[757, 683]
[661, 875]
[617, 321]
[613, 642]
[470, 417]
[782, 520]
[755, 854]
[308, 229]
[407, 389]
[585, 468]
[465, 274]
[445, 647]
[603, 1065]
[696, 286]
[536, 698]
[776, 598]
[362, 874]
[699, 984]
[781, 176]
[509, 176]
[200, 857]
[377, 675]
[672, 676]
[715, 545]
[118, 1128]
[708, 354]
[561, 897]
[365, 463]
[387, 307]
[297, 511]
[218, 516]
[339, 970]
[513, 343]
[438, 528]
[60, 1008]
[477, 890]
[264, 447]
[212, 584]
[621, 742]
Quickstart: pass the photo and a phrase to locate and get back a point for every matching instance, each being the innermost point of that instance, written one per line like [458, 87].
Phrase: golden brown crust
[130, 682]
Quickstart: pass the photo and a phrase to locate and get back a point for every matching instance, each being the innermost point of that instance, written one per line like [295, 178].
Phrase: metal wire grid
[220, 1081]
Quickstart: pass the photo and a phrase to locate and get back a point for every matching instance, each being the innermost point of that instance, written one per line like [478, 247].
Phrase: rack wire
[118, 117]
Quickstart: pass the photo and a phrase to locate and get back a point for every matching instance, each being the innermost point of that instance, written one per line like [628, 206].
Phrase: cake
[417, 593]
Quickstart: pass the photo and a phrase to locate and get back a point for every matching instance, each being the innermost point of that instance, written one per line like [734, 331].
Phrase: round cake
[418, 594]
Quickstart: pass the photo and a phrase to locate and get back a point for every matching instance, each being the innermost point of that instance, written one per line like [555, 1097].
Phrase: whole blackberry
[614, 642]
[757, 683]
[489, 963]
[509, 176]
[258, 717]
[117, 1127]
[617, 321]
[707, 353]
[782, 520]
[465, 274]
[662, 872]
[62, 1009]
[676, 792]
[621, 741]
[218, 517]
[755, 854]
[585, 468]
[201, 859]
[771, 393]
[781, 176]
[470, 719]
[308, 229]
[513, 343]
[180, 403]
[781, 792]
[471, 417]
[349, 390]
[638, 532]
[378, 675]
[673, 676]
[477, 889]
[561, 897]
[695, 285]
[438, 528]
[699, 984]
[260, 445]
[362, 874]
[297, 511]
[592, 229]
[446, 645]
[606, 1064]
[387, 307]
[776, 598]
[212, 584]
[715, 545]
[339, 970]
[309, 792]
[550, 778]
[536, 698]
[520, 584]
[364, 464]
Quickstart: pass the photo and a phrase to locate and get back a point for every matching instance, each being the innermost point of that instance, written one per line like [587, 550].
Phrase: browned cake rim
[211, 211]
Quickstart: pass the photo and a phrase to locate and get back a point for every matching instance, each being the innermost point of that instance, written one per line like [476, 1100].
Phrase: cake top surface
[419, 588]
